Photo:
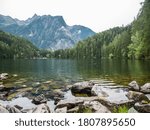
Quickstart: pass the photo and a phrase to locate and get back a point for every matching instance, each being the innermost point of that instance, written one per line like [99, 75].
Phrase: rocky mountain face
[46, 32]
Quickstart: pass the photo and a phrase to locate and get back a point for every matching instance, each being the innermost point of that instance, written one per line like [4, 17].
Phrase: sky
[98, 15]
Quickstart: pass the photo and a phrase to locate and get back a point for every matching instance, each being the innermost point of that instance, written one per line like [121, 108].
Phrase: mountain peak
[47, 32]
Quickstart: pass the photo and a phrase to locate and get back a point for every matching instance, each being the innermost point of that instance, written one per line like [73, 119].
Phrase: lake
[121, 71]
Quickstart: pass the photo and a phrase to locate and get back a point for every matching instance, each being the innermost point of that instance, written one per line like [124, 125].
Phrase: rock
[145, 88]
[39, 99]
[61, 110]
[56, 100]
[136, 96]
[15, 75]
[148, 97]
[3, 76]
[3, 109]
[47, 82]
[132, 110]
[2, 87]
[73, 110]
[111, 96]
[82, 88]
[72, 103]
[42, 108]
[18, 107]
[69, 103]
[36, 84]
[96, 107]
[58, 93]
[12, 109]
[144, 108]
[134, 86]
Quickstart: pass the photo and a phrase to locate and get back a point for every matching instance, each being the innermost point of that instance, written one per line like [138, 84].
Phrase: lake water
[121, 71]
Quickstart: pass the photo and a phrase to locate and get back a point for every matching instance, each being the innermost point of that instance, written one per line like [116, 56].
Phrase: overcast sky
[98, 15]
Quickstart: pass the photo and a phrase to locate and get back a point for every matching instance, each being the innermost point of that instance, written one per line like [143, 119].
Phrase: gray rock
[42, 108]
[2, 87]
[3, 109]
[136, 96]
[3, 76]
[132, 110]
[39, 99]
[134, 86]
[82, 88]
[145, 88]
[73, 110]
[72, 104]
[148, 97]
[69, 103]
[144, 108]
[36, 84]
[12, 109]
[110, 95]
[61, 110]
[96, 107]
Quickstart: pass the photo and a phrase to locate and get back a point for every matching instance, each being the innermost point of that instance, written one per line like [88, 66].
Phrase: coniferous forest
[130, 42]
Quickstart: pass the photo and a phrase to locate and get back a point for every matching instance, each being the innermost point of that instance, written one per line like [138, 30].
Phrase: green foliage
[16, 47]
[121, 109]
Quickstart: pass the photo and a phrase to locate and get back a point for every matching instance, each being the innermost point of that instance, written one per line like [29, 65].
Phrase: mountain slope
[15, 47]
[46, 32]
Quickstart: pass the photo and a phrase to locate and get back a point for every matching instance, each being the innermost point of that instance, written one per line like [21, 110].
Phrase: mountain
[46, 32]
[16, 47]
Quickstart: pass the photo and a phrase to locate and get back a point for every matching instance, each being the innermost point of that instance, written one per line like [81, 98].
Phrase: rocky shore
[94, 96]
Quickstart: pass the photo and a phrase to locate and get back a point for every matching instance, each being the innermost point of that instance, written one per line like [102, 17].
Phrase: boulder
[145, 88]
[136, 96]
[144, 108]
[3, 109]
[39, 99]
[61, 110]
[42, 108]
[134, 86]
[111, 95]
[96, 107]
[82, 88]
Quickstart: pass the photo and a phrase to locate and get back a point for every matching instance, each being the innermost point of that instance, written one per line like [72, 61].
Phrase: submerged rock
[145, 88]
[3, 76]
[39, 99]
[134, 86]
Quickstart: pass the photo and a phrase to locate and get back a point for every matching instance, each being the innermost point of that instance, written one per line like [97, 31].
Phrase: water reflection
[72, 70]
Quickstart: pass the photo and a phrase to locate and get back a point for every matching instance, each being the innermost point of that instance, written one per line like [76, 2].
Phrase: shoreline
[93, 96]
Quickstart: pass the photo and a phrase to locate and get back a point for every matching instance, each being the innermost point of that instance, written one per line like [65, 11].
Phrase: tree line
[132, 41]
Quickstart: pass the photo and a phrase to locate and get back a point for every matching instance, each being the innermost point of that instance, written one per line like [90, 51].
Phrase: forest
[129, 42]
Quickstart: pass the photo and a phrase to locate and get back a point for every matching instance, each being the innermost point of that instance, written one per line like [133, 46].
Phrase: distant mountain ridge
[46, 32]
